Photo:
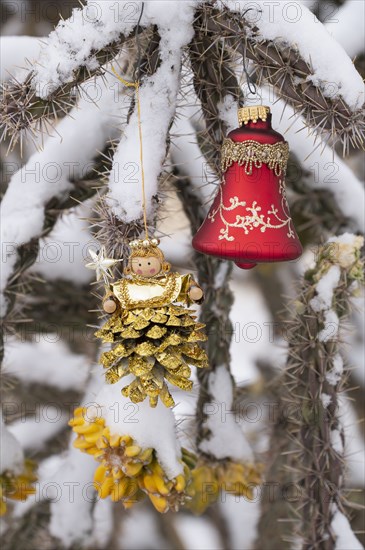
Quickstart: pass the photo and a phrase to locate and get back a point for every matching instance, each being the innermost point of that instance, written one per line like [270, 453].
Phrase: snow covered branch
[158, 95]
[215, 85]
[74, 52]
[314, 377]
[308, 68]
[49, 183]
[323, 167]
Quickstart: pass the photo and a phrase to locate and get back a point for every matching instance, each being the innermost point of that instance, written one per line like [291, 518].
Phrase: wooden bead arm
[109, 303]
[196, 293]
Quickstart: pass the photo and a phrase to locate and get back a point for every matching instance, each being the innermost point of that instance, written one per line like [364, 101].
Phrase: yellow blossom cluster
[346, 253]
[17, 486]
[126, 472]
[210, 479]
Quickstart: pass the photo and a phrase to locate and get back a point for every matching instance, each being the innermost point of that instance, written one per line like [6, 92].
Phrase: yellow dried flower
[204, 489]
[346, 253]
[239, 479]
[17, 486]
[210, 479]
[127, 472]
[165, 494]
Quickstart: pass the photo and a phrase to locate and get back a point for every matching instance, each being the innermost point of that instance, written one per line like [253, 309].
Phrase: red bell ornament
[249, 221]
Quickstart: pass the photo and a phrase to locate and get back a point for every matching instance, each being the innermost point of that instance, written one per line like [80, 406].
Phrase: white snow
[354, 339]
[336, 441]
[335, 374]
[354, 453]
[48, 173]
[325, 289]
[292, 23]
[254, 332]
[341, 527]
[324, 169]
[72, 489]
[227, 110]
[197, 533]
[17, 54]
[331, 326]
[235, 508]
[227, 438]
[74, 42]
[47, 422]
[347, 238]
[158, 94]
[64, 252]
[141, 530]
[145, 424]
[347, 26]
[326, 399]
[102, 522]
[11, 452]
[47, 361]
[71, 518]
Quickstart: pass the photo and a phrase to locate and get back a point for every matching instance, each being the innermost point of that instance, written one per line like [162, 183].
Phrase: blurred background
[52, 325]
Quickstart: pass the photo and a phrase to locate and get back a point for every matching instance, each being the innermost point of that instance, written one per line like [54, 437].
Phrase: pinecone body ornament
[154, 335]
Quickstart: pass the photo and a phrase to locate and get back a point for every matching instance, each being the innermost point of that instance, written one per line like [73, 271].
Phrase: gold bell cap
[253, 113]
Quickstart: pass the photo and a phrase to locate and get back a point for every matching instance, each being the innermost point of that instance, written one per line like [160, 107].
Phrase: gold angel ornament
[154, 335]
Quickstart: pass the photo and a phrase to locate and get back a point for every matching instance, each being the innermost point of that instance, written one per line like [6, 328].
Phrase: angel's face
[146, 267]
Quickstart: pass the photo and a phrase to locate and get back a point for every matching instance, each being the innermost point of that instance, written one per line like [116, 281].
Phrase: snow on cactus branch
[225, 439]
[71, 511]
[76, 50]
[308, 68]
[47, 362]
[314, 377]
[158, 95]
[333, 71]
[49, 175]
[325, 169]
[11, 452]
[345, 537]
[78, 42]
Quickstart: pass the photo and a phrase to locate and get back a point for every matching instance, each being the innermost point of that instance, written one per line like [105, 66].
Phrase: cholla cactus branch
[214, 81]
[213, 88]
[315, 212]
[27, 253]
[283, 67]
[313, 378]
[23, 109]
[111, 230]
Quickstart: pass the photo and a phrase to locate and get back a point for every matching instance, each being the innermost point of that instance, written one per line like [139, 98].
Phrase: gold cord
[136, 86]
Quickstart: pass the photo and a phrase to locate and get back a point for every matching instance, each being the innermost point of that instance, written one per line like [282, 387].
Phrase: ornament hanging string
[250, 84]
[136, 86]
